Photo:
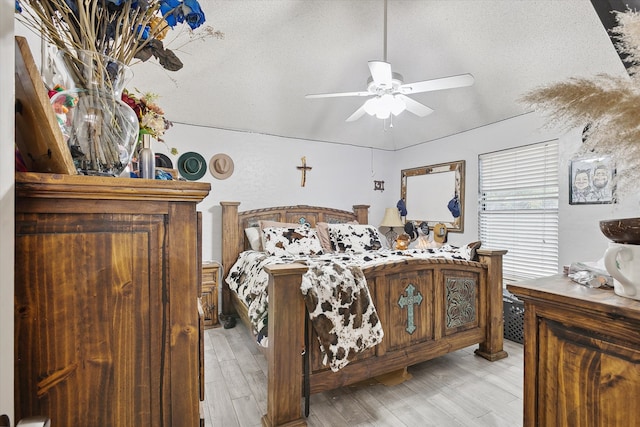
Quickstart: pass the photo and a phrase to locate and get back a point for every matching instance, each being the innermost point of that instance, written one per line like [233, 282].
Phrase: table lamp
[391, 225]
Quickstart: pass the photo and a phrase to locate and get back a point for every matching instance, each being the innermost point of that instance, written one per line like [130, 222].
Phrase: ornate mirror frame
[431, 188]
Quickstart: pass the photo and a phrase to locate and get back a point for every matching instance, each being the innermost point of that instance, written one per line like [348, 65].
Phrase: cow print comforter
[335, 293]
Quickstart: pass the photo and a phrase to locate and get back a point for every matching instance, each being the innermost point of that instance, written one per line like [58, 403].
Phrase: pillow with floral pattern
[282, 241]
[354, 238]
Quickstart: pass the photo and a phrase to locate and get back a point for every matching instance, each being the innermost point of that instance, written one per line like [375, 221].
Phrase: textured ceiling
[274, 52]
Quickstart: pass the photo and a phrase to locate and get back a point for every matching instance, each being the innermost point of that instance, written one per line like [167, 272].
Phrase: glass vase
[100, 129]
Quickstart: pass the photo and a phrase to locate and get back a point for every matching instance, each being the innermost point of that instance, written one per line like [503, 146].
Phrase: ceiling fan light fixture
[371, 106]
[398, 106]
[386, 106]
[383, 106]
[383, 114]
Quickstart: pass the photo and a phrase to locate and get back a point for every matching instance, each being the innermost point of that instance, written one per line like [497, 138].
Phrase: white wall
[266, 175]
[7, 165]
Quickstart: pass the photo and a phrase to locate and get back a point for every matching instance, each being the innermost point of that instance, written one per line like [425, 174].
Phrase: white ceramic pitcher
[622, 261]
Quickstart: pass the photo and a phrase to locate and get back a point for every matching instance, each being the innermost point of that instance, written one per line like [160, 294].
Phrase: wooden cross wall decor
[304, 168]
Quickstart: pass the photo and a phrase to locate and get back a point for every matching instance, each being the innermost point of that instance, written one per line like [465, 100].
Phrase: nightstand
[210, 275]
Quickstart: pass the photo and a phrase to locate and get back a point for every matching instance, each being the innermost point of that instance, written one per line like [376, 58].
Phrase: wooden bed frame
[461, 305]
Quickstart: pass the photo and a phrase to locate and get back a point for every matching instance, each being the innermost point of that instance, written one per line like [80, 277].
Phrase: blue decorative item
[402, 207]
[165, 176]
[454, 206]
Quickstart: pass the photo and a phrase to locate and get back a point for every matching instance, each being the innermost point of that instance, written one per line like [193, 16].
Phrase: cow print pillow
[283, 241]
[356, 238]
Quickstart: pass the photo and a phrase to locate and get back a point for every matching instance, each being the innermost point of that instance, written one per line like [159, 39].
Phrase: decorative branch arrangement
[120, 29]
[607, 106]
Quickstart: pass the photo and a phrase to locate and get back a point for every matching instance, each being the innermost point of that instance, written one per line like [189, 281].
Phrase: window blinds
[518, 208]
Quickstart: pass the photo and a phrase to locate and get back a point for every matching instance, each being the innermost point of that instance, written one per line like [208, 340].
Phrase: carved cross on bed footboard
[408, 301]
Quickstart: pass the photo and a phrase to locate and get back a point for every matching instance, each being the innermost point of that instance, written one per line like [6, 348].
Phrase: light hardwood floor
[459, 389]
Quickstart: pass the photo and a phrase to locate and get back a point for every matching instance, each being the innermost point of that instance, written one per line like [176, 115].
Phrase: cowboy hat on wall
[221, 166]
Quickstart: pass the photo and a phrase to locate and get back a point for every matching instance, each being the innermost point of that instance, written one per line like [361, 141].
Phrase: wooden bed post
[232, 245]
[362, 213]
[492, 348]
[286, 343]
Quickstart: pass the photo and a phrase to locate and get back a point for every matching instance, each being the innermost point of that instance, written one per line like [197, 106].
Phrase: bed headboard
[234, 223]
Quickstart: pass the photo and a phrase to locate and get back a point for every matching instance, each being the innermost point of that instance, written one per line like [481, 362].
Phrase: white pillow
[282, 241]
[254, 238]
[266, 223]
[354, 238]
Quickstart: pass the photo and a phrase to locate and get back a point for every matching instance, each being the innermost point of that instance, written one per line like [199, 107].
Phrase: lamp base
[391, 236]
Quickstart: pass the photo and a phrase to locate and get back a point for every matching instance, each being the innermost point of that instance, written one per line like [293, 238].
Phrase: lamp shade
[390, 223]
[391, 218]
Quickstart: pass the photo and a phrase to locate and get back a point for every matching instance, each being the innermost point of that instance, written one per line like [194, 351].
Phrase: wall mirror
[427, 191]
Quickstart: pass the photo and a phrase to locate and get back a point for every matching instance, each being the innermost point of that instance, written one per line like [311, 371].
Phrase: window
[519, 208]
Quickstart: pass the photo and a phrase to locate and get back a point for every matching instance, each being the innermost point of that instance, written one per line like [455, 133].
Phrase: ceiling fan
[387, 91]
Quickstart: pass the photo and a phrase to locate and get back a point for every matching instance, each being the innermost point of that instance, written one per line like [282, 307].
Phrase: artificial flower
[150, 116]
[158, 27]
[171, 12]
[192, 13]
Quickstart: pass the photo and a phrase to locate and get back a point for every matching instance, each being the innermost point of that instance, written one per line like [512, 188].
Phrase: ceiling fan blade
[415, 107]
[381, 73]
[437, 84]
[334, 95]
[355, 116]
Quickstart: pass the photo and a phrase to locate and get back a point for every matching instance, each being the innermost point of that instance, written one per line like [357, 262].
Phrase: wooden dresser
[106, 301]
[582, 355]
[210, 277]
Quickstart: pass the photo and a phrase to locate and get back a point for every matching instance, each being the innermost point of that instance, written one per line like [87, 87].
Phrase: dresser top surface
[50, 186]
[561, 289]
